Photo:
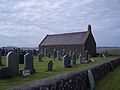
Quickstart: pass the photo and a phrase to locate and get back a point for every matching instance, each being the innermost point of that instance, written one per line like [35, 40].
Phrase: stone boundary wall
[72, 81]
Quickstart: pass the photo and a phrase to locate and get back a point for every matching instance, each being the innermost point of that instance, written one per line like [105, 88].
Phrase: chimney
[89, 28]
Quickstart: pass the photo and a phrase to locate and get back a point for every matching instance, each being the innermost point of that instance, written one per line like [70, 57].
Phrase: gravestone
[74, 59]
[54, 54]
[91, 79]
[87, 55]
[0, 58]
[26, 73]
[13, 62]
[58, 55]
[49, 55]
[45, 51]
[5, 72]
[21, 57]
[103, 56]
[40, 57]
[80, 60]
[50, 66]
[70, 54]
[63, 52]
[28, 61]
[66, 61]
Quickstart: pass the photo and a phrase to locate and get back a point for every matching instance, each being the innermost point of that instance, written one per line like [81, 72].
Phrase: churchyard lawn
[42, 73]
[110, 81]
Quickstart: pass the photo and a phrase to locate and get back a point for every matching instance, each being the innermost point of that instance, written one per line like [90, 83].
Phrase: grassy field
[111, 81]
[41, 71]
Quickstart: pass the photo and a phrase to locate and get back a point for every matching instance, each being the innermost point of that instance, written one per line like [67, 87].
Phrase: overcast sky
[26, 22]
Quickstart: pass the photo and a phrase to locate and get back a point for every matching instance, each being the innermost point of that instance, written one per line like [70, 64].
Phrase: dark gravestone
[28, 61]
[5, 72]
[21, 57]
[87, 55]
[80, 60]
[49, 55]
[0, 58]
[67, 61]
[54, 54]
[74, 59]
[40, 57]
[3, 51]
[13, 62]
[50, 66]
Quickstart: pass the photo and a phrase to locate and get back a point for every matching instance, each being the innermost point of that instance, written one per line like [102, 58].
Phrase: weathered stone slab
[67, 61]
[91, 80]
[13, 62]
[28, 61]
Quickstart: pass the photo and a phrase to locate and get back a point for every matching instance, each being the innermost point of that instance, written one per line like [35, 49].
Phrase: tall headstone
[40, 57]
[91, 79]
[54, 54]
[28, 61]
[80, 60]
[0, 58]
[74, 59]
[50, 66]
[63, 52]
[58, 55]
[21, 57]
[13, 62]
[45, 51]
[70, 54]
[87, 55]
[49, 55]
[67, 61]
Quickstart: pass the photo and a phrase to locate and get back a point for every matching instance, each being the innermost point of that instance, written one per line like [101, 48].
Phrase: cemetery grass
[42, 73]
[110, 81]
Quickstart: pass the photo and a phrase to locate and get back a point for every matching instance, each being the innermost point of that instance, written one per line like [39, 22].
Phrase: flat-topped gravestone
[25, 72]
[74, 59]
[0, 58]
[66, 61]
[50, 66]
[13, 62]
[28, 61]
[54, 54]
[58, 55]
[21, 57]
[5, 72]
[40, 57]
[49, 55]
[91, 79]
[80, 60]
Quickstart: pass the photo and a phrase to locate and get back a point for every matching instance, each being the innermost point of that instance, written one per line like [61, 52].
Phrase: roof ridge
[67, 33]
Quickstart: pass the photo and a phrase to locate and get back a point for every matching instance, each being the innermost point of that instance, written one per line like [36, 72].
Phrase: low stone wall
[72, 81]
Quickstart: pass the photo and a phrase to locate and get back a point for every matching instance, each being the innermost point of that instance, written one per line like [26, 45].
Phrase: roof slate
[65, 39]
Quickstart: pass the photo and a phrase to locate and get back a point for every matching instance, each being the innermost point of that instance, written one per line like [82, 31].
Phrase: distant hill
[36, 48]
[107, 48]
[23, 48]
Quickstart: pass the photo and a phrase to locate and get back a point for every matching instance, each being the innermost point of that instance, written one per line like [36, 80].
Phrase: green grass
[111, 81]
[41, 71]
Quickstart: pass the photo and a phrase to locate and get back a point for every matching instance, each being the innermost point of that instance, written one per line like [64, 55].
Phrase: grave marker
[13, 62]
[50, 66]
[28, 61]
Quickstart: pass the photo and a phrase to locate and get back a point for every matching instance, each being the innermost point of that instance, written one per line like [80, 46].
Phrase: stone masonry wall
[72, 81]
